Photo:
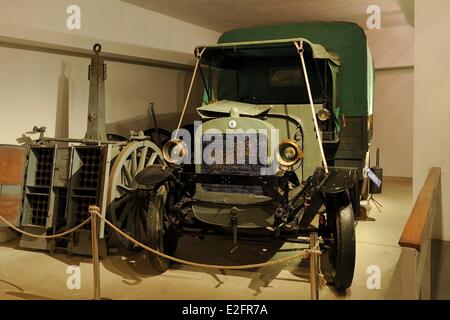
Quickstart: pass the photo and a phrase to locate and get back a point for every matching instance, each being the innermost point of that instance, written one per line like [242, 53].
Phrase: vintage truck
[282, 147]
[281, 151]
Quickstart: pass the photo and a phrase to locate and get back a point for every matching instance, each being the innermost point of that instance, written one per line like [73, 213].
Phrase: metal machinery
[60, 183]
[47, 184]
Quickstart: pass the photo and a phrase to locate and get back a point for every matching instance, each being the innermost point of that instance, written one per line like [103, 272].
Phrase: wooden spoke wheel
[128, 203]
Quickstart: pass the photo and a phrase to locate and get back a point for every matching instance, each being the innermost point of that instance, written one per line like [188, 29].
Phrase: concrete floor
[36, 275]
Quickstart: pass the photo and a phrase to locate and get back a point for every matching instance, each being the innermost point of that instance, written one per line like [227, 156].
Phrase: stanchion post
[95, 257]
[314, 266]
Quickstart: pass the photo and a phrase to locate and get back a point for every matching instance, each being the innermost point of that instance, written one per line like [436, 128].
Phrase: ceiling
[224, 15]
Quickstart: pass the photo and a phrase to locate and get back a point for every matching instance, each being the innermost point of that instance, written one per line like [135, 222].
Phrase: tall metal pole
[96, 126]
[95, 257]
[314, 266]
[155, 123]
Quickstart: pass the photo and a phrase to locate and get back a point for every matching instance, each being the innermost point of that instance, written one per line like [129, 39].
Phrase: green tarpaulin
[347, 40]
[269, 72]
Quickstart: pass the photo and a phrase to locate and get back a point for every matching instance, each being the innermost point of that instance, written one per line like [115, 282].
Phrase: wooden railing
[415, 240]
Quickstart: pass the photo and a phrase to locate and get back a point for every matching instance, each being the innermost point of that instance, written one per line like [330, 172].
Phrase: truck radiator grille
[234, 154]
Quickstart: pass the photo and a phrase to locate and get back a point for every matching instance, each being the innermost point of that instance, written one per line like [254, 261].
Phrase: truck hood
[224, 107]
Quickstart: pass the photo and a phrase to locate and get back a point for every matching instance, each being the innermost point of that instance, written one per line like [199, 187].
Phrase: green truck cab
[282, 145]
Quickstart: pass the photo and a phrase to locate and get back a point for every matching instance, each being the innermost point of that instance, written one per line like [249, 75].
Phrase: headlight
[289, 153]
[323, 114]
[174, 151]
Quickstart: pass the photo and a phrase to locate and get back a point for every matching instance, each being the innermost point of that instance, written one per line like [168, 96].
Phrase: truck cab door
[12, 170]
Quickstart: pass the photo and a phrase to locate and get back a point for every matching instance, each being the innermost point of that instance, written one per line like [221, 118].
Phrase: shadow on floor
[20, 293]
[134, 267]
[27, 296]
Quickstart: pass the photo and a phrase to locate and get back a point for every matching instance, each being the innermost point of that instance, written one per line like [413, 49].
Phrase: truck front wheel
[342, 251]
[160, 235]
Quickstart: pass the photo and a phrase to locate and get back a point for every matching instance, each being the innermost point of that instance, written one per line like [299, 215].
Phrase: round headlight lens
[323, 114]
[174, 151]
[289, 153]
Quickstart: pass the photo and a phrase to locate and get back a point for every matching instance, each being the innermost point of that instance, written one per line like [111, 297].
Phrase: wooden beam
[405, 67]
[414, 230]
[39, 46]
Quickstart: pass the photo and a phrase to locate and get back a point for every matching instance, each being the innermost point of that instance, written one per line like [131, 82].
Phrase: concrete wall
[47, 90]
[432, 101]
[123, 26]
[392, 47]
[39, 88]
[393, 121]
[393, 55]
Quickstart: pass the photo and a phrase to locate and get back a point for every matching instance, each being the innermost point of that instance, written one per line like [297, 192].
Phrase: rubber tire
[158, 237]
[345, 249]
[355, 196]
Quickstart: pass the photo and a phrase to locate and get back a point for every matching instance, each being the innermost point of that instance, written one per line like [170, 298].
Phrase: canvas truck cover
[347, 40]
[269, 71]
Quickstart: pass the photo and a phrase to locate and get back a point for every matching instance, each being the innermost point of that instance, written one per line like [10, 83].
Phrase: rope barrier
[304, 253]
[95, 213]
[42, 236]
[96, 210]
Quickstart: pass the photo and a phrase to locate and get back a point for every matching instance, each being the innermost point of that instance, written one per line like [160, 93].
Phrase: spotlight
[289, 153]
[323, 114]
[174, 151]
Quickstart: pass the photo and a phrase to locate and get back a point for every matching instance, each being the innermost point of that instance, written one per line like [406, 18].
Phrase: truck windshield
[263, 78]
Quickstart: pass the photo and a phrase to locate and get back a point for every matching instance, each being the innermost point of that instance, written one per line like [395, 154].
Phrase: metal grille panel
[237, 154]
[39, 209]
[85, 184]
[44, 166]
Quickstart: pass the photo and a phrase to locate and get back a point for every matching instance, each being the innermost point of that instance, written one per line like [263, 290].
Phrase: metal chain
[42, 236]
